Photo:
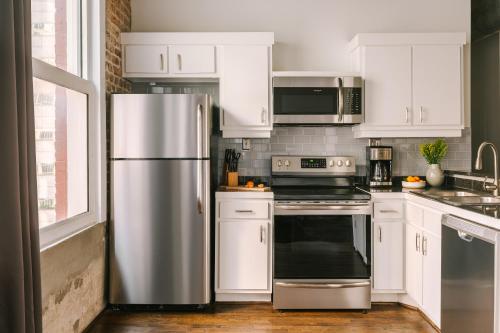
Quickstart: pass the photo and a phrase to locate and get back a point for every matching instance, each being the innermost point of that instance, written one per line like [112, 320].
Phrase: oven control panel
[332, 165]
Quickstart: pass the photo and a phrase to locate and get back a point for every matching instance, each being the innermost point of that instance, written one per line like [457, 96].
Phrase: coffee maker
[378, 165]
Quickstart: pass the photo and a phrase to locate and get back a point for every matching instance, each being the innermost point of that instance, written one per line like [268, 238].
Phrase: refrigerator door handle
[199, 164]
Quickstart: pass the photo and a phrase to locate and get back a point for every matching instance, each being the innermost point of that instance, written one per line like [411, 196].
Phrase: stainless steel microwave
[318, 100]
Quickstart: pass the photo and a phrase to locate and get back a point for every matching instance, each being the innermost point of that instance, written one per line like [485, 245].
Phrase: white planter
[434, 175]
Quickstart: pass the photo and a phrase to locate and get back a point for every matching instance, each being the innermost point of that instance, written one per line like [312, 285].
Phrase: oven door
[321, 258]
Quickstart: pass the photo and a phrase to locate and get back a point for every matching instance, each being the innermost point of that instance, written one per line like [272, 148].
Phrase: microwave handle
[341, 101]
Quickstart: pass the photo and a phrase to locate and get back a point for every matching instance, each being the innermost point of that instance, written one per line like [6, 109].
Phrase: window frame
[90, 83]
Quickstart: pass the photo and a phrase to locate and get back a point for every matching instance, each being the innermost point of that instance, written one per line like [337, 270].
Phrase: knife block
[232, 179]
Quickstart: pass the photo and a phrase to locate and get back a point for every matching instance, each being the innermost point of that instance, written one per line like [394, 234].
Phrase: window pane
[56, 33]
[61, 151]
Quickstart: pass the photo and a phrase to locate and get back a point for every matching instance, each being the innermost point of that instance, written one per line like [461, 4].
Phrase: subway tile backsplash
[340, 141]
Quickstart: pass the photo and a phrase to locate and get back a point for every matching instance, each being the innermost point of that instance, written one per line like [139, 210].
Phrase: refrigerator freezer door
[160, 232]
[153, 126]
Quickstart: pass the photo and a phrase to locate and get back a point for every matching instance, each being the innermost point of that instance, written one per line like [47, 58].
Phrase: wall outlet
[245, 144]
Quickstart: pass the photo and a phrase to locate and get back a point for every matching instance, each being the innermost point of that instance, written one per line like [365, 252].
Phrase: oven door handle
[321, 207]
[323, 285]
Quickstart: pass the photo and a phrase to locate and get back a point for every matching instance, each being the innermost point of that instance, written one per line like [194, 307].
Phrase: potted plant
[434, 154]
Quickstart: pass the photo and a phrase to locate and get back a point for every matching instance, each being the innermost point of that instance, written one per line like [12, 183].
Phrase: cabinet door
[243, 255]
[431, 281]
[387, 73]
[146, 59]
[437, 85]
[388, 255]
[245, 87]
[414, 263]
[192, 59]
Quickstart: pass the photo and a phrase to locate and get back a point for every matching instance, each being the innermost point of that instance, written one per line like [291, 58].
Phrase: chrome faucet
[479, 165]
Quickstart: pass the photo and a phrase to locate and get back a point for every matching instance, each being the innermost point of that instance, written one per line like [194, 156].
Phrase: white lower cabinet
[388, 267]
[431, 277]
[413, 263]
[243, 255]
[423, 260]
[243, 249]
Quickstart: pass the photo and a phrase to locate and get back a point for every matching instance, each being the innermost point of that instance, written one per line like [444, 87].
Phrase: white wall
[311, 34]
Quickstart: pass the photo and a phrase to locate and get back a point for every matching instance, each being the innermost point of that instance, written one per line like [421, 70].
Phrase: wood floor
[387, 318]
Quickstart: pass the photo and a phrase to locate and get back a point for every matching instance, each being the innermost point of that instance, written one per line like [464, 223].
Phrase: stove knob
[332, 164]
[340, 163]
[348, 163]
[279, 163]
[287, 163]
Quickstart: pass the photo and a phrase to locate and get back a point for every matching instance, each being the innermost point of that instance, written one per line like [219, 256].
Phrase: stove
[322, 234]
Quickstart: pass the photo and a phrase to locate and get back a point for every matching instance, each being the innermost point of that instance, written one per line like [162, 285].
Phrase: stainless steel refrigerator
[160, 199]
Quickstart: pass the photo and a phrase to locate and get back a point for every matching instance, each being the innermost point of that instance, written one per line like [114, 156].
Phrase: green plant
[434, 152]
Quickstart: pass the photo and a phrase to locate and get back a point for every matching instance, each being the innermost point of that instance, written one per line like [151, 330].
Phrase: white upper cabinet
[413, 84]
[192, 59]
[387, 74]
[245, 89]
[437, 89]
[145, 59]
[240, 61]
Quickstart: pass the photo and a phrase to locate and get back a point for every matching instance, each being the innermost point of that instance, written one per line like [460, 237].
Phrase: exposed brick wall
[118, 19]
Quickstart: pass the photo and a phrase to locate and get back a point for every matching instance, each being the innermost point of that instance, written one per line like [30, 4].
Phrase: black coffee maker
[378, 165]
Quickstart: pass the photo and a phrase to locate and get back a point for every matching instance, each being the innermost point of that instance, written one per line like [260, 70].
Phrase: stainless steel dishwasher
[467, 276]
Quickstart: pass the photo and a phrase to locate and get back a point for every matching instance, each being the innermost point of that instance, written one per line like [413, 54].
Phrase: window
[62, 159]
[66, 115]
[57, 33]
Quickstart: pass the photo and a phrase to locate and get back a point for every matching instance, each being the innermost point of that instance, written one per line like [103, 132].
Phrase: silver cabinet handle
[323, 285]
[320, 207]
[244, 211]
[417, 242]
[421, 114]
[406, 114]
[262, 234]
[162, 62]
[263, 116]
[424, 245]
[380, 234]
[341, 100]
[179, 61]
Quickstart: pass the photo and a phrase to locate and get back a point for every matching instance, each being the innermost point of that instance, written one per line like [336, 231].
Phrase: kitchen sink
[450, 193]
[473, 200]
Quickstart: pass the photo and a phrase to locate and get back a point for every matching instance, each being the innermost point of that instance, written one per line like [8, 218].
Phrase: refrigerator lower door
[160, 232]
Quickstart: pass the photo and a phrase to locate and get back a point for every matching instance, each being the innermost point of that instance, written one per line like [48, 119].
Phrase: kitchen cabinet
[387, 75]
[437, 89]
[423, 259]
[388, 240]
[145, 59]
[245, 90]
[413, 263]
[243, 255]
[388, 255]
[413, 84]
[243, 246]
[241, 62]
[431, 277]
[192, 59]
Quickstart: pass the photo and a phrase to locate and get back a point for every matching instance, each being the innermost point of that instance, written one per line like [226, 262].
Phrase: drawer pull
[323, 285]
[388, 211]
[244, 211]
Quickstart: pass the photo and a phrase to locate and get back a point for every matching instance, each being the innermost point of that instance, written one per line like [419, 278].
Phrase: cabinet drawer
[244, 209]
[388, 210]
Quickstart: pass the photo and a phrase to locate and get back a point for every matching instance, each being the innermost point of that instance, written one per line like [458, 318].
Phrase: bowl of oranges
[413, 182]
